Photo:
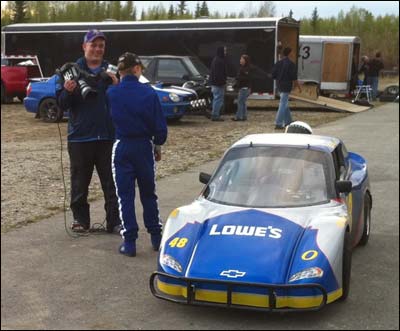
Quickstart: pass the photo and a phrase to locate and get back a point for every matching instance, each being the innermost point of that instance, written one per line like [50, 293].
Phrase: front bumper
[195, 291]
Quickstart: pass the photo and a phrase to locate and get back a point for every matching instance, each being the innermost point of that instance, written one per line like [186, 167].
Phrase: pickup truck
[17, 71]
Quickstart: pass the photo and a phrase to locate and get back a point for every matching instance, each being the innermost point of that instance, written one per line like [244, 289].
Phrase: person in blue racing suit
[140, 129]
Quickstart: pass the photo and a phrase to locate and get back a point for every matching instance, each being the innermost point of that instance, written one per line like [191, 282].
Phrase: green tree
[20, 12]
[291, 13]
[171, 12]
[197, 11]
[314, 20]
[204, 9]
[182, 8]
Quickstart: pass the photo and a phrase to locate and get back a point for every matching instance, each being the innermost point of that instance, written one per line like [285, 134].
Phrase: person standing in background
[217, 81]
[244, 85]
[285, 73]
[375, 66]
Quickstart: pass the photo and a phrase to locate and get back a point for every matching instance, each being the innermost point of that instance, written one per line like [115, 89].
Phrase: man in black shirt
[285, 73]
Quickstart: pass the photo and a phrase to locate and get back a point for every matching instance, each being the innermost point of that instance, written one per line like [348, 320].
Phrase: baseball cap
[128, 60]
[92, 35]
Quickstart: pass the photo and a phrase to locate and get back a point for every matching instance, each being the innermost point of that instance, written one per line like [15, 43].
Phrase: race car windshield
[272, 177]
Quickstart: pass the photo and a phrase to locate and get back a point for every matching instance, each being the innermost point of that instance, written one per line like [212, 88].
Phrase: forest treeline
[376, 32]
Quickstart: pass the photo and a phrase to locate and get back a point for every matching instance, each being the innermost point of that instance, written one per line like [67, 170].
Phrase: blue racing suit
[139, 125]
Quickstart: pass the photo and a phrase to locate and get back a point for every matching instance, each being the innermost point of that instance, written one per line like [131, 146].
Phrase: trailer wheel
[49, 111]
[391, 90]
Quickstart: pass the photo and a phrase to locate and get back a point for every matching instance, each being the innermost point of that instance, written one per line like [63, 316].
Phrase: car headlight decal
[313, 272]
[169, 261]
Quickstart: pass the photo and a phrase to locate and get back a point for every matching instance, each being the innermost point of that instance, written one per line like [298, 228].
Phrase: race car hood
[240, 245]
[249, 245]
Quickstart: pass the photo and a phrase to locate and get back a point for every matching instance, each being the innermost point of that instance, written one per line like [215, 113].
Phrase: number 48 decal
[178, 242]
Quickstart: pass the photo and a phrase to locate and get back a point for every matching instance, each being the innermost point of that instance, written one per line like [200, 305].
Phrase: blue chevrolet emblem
[232, 273]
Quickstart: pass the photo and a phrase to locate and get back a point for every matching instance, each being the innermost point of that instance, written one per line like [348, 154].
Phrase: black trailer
[58, 43]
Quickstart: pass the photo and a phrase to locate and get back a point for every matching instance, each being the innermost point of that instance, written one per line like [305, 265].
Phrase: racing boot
[156, 241]
[128, 248]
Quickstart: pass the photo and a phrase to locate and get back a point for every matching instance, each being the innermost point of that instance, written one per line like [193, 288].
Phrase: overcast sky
[300, 8]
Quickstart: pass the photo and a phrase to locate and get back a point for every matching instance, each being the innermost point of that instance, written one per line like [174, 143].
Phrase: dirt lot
[32, 186]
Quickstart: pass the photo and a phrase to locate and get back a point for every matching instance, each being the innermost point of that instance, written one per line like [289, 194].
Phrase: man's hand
[157, 153]
[113, 77]
[70, 85]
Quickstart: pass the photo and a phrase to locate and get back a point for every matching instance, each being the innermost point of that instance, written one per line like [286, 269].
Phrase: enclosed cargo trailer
[330, 61]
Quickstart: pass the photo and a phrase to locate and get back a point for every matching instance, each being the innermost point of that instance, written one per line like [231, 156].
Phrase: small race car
[273, 229]
[41, 100]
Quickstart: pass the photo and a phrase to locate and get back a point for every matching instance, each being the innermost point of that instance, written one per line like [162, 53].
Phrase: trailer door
[309, 66]
[335, 67]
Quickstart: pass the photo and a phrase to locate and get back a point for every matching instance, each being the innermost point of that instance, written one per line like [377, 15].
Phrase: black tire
[346, 263]
[367, 220]
[49, 111]
[4, 98]
[3, 93]
[391, 90]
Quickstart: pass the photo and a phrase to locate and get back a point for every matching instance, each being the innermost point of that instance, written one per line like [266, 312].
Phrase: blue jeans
[218, 100]
[241, 113]
[283, 116]
[373, 82]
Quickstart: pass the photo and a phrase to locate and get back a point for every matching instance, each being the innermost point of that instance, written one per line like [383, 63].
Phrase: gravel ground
[31, 179]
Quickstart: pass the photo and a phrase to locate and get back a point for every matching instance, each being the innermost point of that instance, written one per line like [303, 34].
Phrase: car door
[172, 71]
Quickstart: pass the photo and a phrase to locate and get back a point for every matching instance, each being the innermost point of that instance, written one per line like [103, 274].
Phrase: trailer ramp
[332, 103]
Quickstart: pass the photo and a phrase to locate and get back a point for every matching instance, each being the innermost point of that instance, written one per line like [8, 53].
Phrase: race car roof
[324, 143]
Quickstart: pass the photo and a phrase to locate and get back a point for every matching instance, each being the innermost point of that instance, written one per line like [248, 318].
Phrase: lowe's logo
[239, 230]
[232, 273]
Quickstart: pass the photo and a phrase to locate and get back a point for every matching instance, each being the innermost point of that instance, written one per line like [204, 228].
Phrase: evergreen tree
[291, 13]
[314, 20]
[197, 12]
[204, 9]
[20, 12]
[171, 12]
[143, 15]
[182, 8]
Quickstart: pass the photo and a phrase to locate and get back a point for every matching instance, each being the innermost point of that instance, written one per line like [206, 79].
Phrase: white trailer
[329, 61]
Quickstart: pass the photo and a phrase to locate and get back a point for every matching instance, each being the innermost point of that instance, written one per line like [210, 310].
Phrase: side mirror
[204, 178]
[344, 186]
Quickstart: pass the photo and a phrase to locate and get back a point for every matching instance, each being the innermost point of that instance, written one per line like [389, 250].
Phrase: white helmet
[298, 127]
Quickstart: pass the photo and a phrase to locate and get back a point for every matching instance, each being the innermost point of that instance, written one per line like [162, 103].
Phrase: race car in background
[41, 100]
[273, 228]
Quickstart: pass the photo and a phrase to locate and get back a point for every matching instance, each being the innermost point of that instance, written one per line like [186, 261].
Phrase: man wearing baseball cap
[90, 135]
[140, 126]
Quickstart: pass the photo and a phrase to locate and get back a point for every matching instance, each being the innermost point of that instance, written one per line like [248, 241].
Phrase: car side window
[171, 68]
[340, 165]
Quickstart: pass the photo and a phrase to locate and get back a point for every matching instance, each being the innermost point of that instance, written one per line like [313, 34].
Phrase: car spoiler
[191, 290]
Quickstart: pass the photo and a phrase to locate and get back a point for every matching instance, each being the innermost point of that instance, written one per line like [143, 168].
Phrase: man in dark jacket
[90, 135]
[285, 73]
[375, 66]
[217, 81]
[140, 126]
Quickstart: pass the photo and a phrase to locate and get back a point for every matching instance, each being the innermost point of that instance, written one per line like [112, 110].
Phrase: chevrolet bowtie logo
[232, 273]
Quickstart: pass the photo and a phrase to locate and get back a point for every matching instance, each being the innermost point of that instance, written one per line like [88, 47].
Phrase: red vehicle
[16, 73]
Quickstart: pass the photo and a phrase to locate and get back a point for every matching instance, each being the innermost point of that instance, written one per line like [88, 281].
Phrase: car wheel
[346, 263]
[367, 221]
[49, 111]
[392, 90]
[4, 97]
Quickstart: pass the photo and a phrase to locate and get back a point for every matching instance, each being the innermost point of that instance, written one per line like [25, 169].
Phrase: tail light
[28, 89]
